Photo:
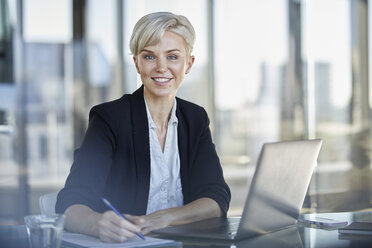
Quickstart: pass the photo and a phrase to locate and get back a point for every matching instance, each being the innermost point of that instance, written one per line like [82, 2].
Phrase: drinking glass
[44, 231]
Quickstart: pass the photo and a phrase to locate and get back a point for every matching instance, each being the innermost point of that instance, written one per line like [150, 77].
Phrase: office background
[265, 71]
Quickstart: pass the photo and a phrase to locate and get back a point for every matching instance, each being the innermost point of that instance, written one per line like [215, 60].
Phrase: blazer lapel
[182, 149]
[141, 149]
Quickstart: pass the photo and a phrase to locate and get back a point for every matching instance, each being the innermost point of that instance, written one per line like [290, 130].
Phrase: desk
[296, 236]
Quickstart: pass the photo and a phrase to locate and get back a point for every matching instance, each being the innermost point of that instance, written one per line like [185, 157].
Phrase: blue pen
[122, 216]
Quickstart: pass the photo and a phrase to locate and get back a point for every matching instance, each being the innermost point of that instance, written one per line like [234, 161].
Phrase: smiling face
[162, 67]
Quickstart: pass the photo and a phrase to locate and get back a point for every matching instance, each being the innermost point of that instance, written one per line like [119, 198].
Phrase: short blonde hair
[150, 29]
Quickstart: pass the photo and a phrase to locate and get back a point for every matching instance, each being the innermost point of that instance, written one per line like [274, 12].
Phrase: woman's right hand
[113, 228]
[109, 227]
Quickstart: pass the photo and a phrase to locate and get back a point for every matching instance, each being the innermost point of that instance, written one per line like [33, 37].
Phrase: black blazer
[114, 158]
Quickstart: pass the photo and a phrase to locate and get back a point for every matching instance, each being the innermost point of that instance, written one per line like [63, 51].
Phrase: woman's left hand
[200, 209]
[156, 220]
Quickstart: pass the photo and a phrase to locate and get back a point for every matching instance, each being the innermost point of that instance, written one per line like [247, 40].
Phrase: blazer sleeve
[206, 172]
[92, 161]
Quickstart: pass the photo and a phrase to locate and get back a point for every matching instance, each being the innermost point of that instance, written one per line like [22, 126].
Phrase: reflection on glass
[343, 174]
[251, 53]
[252, 87]
[61, 77]
[40, 15]
[251, 50]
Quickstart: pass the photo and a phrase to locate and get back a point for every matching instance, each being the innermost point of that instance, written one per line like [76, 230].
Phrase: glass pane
[342, 175]
[9, 167]
[44, 123]
[251, 55]
[47, 20]
[48, 119]
[102, 56]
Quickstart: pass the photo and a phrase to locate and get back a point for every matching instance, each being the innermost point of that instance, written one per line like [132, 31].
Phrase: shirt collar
[172, 120]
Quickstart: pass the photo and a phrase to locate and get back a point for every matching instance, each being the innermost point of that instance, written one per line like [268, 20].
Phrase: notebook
[275, 197]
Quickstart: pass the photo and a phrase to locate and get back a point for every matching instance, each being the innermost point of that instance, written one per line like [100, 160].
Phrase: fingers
[141, 221]
[136, 220]
[152, 222]
[113, 228]
[147, 229]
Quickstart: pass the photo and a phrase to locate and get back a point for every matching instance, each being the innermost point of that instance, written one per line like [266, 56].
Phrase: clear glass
[37, 156]
[342, 179]
[251, 48]
[328, 55]
[8, 168]
[245, 102]
[102, 69]
[250, 59]
[58, 15]
[45, 231]
[370, 53]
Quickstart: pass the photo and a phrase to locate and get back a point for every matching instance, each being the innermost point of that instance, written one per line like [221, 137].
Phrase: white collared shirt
[165, 181]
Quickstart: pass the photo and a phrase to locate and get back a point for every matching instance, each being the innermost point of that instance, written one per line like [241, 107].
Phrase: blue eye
[172, 57]
[149, 57]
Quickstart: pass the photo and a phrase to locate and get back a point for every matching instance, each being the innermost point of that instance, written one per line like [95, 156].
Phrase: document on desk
[77, 240]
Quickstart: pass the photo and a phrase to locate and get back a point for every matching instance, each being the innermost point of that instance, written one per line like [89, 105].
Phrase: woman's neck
[160, 110]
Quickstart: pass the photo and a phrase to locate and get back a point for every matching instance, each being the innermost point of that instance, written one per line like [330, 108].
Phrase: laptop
[274, 200]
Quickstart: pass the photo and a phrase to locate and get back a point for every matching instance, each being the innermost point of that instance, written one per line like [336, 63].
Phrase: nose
[161, 65]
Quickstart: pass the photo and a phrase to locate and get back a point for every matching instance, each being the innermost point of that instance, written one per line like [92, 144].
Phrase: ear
[190, 62]
[136, 64]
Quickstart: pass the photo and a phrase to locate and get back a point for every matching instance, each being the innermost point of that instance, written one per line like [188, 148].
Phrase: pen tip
[105, 201]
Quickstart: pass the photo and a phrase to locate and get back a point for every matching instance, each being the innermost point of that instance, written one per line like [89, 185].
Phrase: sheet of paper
[81, 240]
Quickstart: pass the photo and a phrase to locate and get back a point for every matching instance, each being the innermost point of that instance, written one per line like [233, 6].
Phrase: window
[251, 55]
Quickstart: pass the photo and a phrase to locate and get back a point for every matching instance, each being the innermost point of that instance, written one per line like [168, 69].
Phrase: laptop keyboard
[230, 228]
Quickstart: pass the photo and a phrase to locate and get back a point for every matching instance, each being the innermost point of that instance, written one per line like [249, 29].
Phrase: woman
[149, 153]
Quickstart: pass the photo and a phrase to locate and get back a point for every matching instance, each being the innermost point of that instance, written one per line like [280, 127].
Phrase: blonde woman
[149, 153]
